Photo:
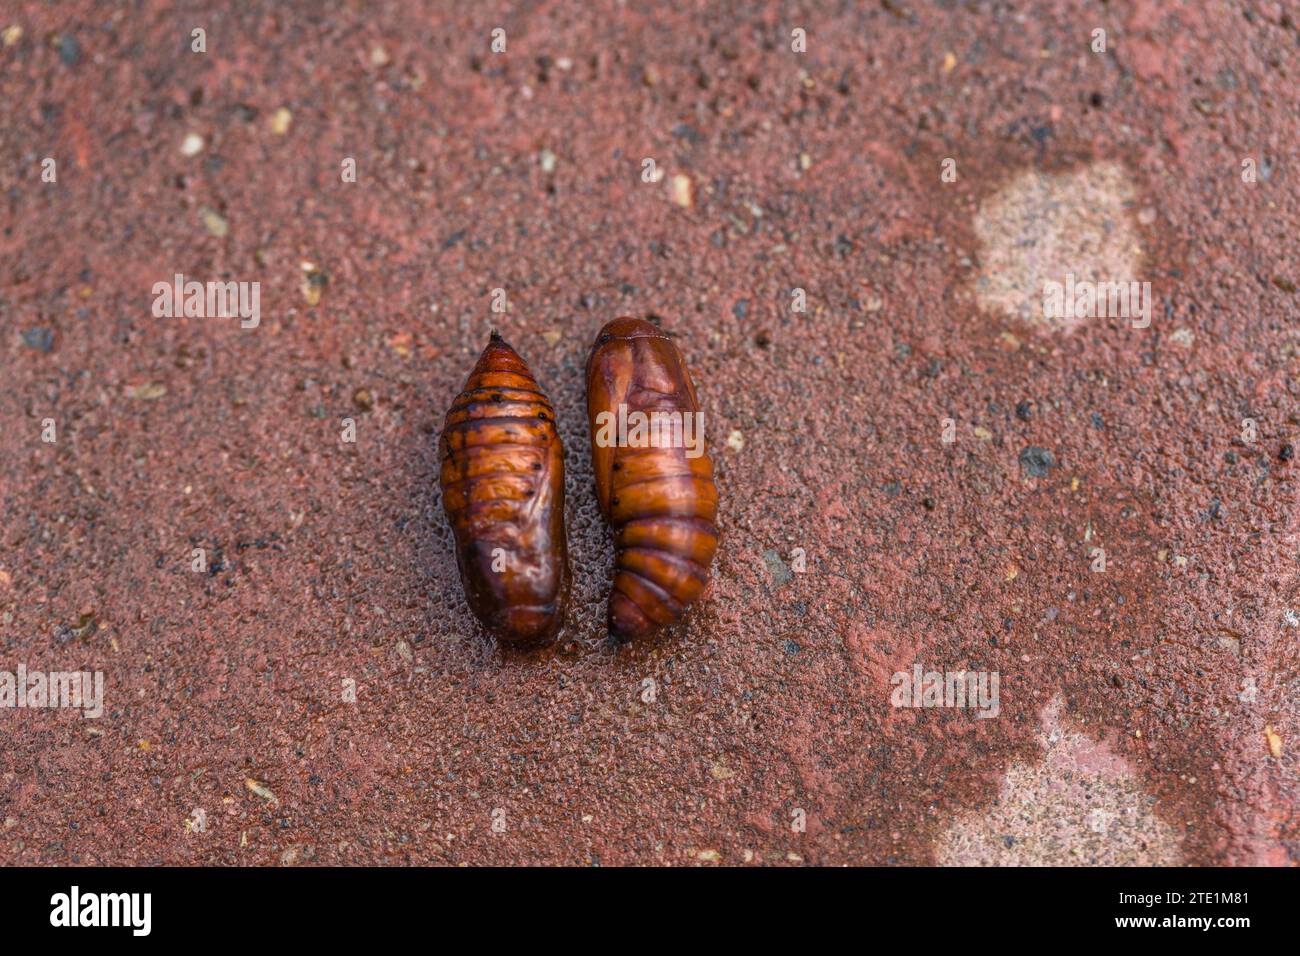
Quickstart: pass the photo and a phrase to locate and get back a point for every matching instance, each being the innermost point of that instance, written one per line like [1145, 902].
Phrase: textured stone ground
[1148, 712]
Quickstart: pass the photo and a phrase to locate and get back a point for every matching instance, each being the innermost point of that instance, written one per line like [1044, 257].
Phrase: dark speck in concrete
[39, 338]
[1037, 462]
[69, 50]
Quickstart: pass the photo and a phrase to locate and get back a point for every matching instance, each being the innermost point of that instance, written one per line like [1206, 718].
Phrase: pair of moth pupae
[502, 479]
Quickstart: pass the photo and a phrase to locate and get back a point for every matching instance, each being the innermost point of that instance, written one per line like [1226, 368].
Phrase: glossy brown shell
[502, 480]
[661, 503]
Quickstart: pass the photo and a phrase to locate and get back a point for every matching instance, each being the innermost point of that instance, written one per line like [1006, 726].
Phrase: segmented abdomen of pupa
[664, 510]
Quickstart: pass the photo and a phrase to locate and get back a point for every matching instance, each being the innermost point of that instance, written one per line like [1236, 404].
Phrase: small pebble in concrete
[1037, 462]
[262, 790]
[148, 392]
[214, 222]
[69, 50]
[313, 284]
[1274, 741]
[280, 121]
[39, 338]
[776, 567]
[682, 191]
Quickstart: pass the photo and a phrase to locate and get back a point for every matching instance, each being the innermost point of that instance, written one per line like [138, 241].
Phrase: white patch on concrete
[1081, 804]
[1041, 227]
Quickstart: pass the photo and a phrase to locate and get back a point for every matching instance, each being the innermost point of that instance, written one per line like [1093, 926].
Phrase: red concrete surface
[1148, 713]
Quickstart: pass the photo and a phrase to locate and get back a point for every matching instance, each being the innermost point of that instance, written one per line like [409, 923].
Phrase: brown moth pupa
[654, 479]
[502, 480]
